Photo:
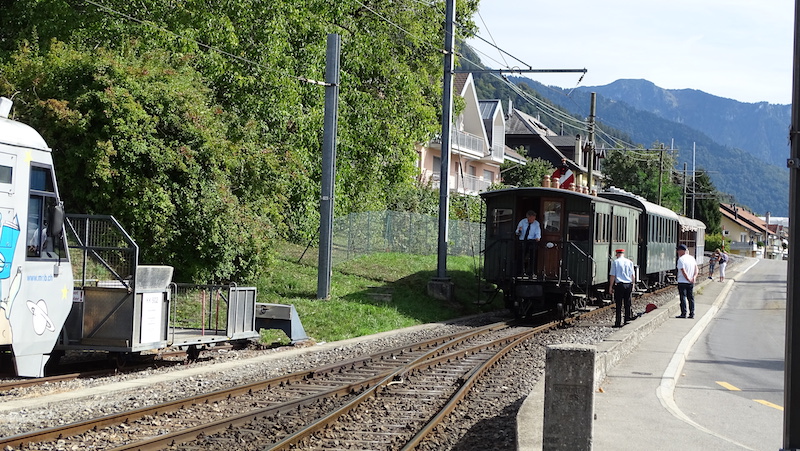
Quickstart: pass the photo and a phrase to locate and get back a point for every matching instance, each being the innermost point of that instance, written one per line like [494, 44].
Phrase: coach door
[552, 222]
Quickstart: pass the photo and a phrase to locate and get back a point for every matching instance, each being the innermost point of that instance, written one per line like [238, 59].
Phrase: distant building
[744, 230]
[477, 147]
[570, 153]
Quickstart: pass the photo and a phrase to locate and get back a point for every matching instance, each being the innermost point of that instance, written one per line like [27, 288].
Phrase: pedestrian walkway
[637, 368]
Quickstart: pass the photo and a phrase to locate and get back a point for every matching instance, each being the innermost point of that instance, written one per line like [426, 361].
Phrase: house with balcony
[529, 135]
[744, 230]
[477, 144]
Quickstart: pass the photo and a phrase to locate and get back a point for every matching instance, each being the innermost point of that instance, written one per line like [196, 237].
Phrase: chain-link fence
[370, 232]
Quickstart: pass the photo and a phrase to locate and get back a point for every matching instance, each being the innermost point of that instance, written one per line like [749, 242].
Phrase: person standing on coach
[529, 233]
[620, 284]
[687, 273]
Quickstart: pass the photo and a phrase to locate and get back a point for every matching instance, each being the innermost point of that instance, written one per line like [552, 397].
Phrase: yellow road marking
[769, 404]
[728, 386]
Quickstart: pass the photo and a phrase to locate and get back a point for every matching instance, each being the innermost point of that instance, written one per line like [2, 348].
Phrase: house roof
[742, 217]
[459, 81]
[520, 123]
[513, 155]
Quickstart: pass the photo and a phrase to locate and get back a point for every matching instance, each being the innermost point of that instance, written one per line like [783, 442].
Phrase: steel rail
[69, 430]
[427, 360]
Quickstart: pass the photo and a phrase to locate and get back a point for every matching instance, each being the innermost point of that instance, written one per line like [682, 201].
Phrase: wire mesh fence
[370, 232]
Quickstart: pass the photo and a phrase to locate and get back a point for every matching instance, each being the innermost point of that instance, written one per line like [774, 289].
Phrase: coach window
[41, 203]
[578, 227]
[502, 222]
[552, 216]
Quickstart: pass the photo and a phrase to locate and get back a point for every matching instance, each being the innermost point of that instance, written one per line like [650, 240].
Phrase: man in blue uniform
[621, 278]
[529, 232]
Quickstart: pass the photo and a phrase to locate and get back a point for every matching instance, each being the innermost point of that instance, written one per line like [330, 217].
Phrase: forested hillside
[761, 129]
[748, 179]
[198, 124]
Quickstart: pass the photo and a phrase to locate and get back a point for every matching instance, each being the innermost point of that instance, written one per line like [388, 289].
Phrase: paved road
[732, 382]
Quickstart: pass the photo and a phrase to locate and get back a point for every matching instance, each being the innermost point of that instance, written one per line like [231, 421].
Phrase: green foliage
[137, 135]
[645, 174]
[530, 174]
[715, 241]
[707, 204]
[191, 121]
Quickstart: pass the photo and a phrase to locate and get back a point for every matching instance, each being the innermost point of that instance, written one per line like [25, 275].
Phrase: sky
[738, 49]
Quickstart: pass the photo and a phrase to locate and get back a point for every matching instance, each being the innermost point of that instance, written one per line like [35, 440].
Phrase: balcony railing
[465, 142]
[469, 184]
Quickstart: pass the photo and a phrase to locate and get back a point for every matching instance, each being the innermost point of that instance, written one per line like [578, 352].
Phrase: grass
[371, 294]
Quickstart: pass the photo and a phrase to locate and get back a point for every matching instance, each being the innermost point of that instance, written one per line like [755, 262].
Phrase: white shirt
[622, 270]
[535, 232]
[688, 264]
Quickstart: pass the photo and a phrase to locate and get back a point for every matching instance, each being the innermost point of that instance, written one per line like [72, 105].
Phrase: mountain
[762, 129]
[743, 146]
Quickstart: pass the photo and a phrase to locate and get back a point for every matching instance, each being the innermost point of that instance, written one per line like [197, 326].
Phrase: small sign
[151, 317]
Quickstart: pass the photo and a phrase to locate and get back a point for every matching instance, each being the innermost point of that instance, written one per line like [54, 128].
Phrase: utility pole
[440, 286]
[590, 166]
[694, 177]
[684, 190]
[791, 384]
[328, 165]
[660, 172]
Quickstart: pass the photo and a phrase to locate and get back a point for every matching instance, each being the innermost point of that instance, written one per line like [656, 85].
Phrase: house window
[488, 176]
[437, 165]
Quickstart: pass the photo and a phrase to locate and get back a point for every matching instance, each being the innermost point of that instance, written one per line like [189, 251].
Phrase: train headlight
[550, 245]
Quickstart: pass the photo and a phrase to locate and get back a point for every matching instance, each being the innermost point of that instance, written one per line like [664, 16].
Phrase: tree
[640, 171]
[529, 174]
[706, 207]
[201, 112]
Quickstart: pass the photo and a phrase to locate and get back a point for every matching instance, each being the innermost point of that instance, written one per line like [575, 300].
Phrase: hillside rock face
[743, 146]
[761, 129]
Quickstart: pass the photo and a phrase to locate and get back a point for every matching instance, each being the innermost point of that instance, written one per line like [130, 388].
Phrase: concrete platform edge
[609, 353]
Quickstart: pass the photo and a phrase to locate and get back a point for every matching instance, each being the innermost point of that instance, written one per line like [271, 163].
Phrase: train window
[502, 221]
[578, 226]
[7, 163]
[620, 228]
[41, 204]
[552, 216]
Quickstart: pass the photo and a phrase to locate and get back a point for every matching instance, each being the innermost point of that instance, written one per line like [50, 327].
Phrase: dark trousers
[622, 295]
[686, 291]
[528, 256]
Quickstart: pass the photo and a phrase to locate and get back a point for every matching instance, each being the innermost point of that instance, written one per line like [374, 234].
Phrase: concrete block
[568, 397]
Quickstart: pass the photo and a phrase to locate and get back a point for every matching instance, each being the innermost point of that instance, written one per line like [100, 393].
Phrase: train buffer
[280, 316]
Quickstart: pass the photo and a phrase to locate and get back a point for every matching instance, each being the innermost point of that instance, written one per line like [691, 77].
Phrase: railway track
[220, 410]
[299, 409]
[335, 407]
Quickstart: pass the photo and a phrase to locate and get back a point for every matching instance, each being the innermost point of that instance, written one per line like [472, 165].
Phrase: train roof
[690, 225]
[17, 134]
[538, 190]
[632, 199]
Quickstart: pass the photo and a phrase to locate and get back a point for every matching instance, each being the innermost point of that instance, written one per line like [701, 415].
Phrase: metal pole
[660, 172]
[683, 212]
[694, 177]
[447, 119]
[791, 391]
[590, 166]
[328, 165]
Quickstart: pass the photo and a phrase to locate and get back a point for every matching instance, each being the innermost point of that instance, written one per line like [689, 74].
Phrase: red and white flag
[565, 177]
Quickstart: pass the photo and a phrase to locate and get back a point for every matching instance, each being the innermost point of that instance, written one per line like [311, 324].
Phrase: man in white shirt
[687, 273]
[621, 278]
[529, 233]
